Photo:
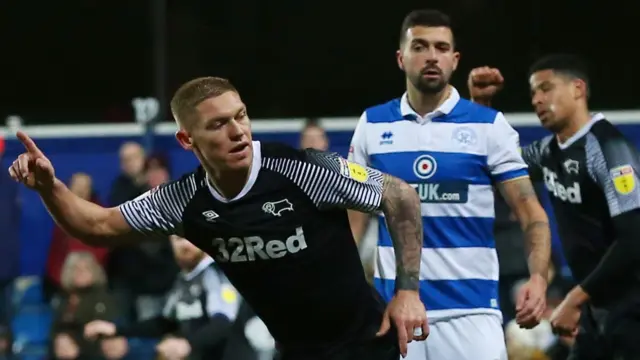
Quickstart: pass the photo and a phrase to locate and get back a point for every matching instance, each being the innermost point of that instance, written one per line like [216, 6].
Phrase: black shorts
[608, 335]
[382, 348]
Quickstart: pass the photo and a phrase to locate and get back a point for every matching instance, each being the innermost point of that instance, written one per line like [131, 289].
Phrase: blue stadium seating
[27, 291]
[31, 327]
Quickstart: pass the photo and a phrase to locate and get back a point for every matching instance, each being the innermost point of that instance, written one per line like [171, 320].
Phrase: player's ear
[456, 60]
[580, 88]
[184, 139]
[399, 59]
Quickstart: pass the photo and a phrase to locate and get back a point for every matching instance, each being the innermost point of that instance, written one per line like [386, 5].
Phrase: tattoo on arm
[523, 200]
[401, 207]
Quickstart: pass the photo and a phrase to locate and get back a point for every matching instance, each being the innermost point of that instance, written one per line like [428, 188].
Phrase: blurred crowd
[102, 301]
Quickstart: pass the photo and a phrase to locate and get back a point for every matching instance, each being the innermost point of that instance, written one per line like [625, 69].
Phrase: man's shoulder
[385, 112]
[468, 112]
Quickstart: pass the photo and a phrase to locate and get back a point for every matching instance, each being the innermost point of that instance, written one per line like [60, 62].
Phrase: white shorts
[470, 337]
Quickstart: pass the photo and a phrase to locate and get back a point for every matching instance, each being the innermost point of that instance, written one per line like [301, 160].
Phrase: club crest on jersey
[623, 179]
[571, 166]
[425, 166]
[465, 136]
[276, 208]
[353, 171]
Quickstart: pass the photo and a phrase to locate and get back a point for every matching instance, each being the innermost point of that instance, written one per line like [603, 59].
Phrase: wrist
[486, 101]
[49, 190]
[407, 283]
[539, 279]
[577, 296]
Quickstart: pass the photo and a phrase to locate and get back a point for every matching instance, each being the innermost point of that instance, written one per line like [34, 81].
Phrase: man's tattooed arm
[521, 197]
[401, 207]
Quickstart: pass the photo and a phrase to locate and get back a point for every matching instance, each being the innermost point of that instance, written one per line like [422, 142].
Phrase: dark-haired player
[591, 173]
[274, 219]
[452, 152]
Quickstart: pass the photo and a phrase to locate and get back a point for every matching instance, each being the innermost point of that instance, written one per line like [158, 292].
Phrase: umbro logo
[210, 215]
[386, 138]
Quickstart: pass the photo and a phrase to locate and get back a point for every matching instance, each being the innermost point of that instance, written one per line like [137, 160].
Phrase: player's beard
[429, 85]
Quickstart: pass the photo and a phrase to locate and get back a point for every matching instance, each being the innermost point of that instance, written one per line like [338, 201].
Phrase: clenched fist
[484, 82]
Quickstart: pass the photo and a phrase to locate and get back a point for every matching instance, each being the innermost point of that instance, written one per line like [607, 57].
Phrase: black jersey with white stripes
[284, 242]
[591, 178]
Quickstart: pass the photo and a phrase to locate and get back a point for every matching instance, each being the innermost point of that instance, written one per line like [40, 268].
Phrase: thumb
[385, 326]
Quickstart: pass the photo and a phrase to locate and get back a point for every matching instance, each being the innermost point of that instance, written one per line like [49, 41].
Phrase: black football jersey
[590, 178]
[284, 242]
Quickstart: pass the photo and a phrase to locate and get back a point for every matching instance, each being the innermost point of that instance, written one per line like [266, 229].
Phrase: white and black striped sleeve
[532, 155]
[332, 181]
[158, 212]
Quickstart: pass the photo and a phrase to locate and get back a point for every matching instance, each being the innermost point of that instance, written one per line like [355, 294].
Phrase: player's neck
[575, 123]
[229, 183]
[424, 103]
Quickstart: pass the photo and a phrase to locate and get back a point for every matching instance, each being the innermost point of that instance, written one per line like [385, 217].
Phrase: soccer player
[274, 219]
[591, 173]
[452, 151]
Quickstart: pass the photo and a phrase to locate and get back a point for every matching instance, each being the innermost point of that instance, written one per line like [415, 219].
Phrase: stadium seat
[33, 353]
[141, 349]
[27, 291]
[31, 327]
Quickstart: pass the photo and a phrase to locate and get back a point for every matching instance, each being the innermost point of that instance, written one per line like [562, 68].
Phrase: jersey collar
[580, 133]
[203, 264]
[253, 176]
[444, 109]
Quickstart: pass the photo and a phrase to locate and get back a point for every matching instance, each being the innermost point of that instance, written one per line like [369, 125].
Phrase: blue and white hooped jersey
[453, 157]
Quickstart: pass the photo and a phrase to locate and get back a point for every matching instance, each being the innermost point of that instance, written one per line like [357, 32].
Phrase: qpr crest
[425, 166]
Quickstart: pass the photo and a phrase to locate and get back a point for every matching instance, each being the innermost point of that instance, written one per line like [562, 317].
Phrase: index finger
[28, 143]
[403, 338]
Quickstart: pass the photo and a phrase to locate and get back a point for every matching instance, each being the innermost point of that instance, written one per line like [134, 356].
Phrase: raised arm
[98, 226]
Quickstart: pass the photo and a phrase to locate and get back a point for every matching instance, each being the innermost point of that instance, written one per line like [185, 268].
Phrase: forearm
[358, 222]
[81, 219]
[534, 222]
[538, 243]
[401, 207]
[621, 257]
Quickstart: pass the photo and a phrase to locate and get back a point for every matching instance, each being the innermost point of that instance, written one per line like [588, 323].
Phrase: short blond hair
[193, 92]
[66, 275]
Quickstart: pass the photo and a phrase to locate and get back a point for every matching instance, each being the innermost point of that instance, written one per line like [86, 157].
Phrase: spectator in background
[9, 242]
[146, 271]
[198, 317]
[131, 182]
[85, 299]
[62, 244]
[313, 136]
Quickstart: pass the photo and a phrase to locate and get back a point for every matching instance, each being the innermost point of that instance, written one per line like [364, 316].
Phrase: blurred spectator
[62, 244]
[131, 181]
[85, 299]
[10, 243]
[198, 317]
[6, 342]
[143, 273]
[313, 136]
